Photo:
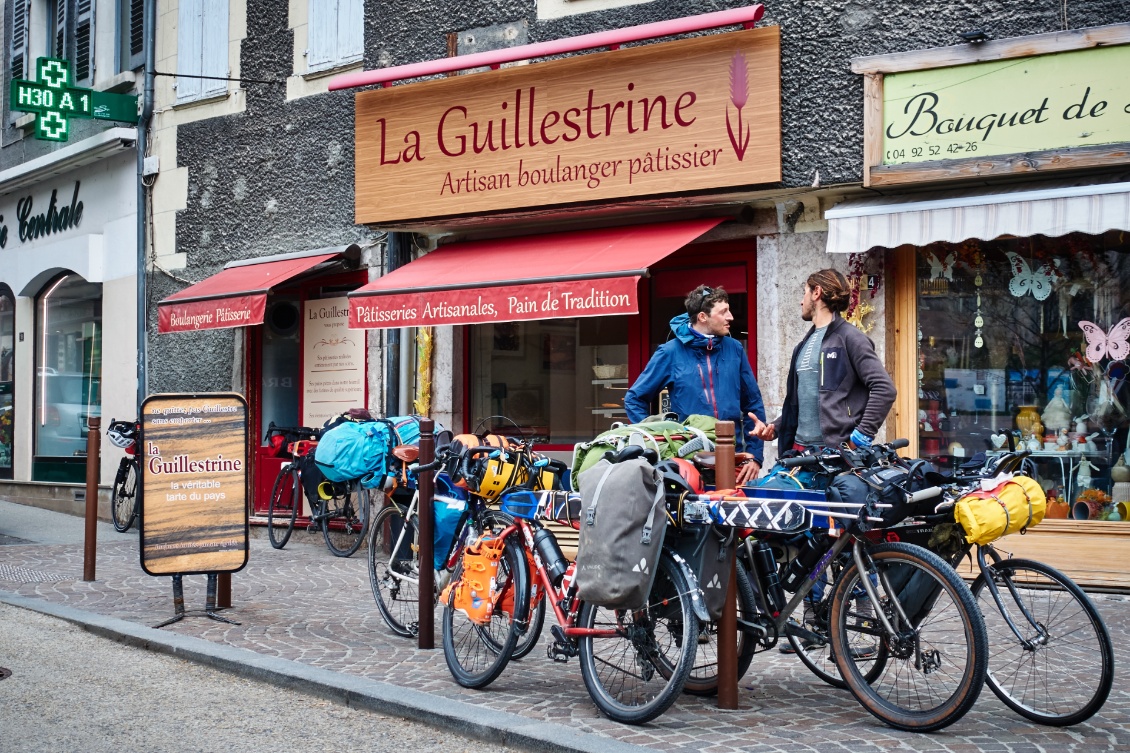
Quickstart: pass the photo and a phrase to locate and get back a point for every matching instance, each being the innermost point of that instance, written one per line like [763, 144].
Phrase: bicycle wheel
[637, 670]
[816, 618]
[123, 500]
[703, 678]
[1064, 676]
[345, 521]
[936, 664]
[394, 571]
[286, 498]
[477, 653]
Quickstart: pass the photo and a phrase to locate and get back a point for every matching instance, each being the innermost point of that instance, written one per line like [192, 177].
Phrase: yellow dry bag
[1015, 505]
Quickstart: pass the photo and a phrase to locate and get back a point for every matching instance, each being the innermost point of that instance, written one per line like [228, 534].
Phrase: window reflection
[68, 365]
[561, 381]
[7, 379]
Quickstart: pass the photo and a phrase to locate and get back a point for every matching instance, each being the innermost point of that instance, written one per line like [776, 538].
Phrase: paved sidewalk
[308, 621]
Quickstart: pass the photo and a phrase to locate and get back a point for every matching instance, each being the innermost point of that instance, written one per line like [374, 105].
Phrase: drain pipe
[398, 247]
[149, 22]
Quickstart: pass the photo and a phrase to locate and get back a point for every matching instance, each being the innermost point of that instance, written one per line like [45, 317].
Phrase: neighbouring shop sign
[194, 480]
[333, 360]
[55, 101]
[661, 118]
[1066, 100]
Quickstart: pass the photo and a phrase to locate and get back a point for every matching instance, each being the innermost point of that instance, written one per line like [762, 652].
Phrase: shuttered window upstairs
[18, 53]
[131, 28]
[84, 43]
[202, 49]
[336, 33]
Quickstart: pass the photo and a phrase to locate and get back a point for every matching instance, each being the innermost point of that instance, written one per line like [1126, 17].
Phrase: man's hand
[748, 472]
[762, 430]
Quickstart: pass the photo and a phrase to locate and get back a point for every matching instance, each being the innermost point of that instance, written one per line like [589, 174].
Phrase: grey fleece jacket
[856, 392]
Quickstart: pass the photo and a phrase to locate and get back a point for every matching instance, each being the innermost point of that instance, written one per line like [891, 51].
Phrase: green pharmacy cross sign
[55, 101]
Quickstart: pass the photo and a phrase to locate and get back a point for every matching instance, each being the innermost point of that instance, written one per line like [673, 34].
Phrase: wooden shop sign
[662, 118]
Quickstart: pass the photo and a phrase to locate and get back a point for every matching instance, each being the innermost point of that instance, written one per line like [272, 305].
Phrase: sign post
[55, 101]
[194, 484]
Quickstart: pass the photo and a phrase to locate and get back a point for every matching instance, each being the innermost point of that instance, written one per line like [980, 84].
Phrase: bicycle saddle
[408, 453]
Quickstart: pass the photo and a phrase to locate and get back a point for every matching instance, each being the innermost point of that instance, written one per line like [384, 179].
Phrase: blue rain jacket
[709, 376]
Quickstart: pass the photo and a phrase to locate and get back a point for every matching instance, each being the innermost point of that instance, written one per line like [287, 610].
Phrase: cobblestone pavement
[305, 605]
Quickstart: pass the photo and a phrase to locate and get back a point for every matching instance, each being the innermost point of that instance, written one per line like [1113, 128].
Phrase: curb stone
[465, 718]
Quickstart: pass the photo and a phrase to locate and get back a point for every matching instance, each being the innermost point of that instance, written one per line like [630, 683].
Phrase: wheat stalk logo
[739, 95]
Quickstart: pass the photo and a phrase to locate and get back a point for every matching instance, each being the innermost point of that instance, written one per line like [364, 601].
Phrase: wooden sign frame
[874, 68]
[194, 483]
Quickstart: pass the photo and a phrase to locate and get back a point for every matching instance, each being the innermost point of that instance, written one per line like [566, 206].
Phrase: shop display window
[1025, 342]
[68, 382]
[7, 378]
[560, 381]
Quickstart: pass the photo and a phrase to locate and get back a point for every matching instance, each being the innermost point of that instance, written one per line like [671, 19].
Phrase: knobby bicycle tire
[123, 500]
[477, 653]
[345, 520]
[1065, 674]
[636, 675]
[285, 501]
[934, 672]
[703, 677]
[816, 617]
[392, 552]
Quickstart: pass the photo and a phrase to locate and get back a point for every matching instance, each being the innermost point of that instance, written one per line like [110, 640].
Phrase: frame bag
[623, 517]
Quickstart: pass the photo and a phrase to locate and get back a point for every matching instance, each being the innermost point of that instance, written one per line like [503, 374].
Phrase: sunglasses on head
[706, 293]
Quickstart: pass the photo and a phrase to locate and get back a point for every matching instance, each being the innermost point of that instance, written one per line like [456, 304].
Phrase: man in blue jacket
[706, 372]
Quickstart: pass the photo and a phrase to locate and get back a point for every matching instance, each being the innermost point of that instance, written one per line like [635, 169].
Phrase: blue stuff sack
[355, 451]
[450, 510]
[780, 477]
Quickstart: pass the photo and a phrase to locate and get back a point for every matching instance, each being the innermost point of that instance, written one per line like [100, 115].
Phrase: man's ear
[817, 293]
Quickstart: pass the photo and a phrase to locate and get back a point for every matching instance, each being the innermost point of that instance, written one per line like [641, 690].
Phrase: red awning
[236, 297]
[580, 273]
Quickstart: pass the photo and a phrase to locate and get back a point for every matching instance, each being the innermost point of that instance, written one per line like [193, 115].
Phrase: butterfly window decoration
[941, 267]
[1039, 282]
[1114, 343]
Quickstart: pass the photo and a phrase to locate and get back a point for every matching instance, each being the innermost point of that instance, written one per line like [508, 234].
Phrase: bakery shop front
[562, 210]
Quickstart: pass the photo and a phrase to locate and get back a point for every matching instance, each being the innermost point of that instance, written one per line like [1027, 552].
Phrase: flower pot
[1087, 510]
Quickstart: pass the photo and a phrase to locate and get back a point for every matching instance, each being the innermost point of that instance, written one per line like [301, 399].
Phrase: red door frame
[253, 373]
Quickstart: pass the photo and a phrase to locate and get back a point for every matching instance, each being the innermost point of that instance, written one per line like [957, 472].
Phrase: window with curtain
[202, 49]
[336, 33]
[68, 372]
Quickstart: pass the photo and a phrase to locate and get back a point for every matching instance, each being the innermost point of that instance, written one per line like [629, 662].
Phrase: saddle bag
[710, 552]
[623, 518]
[1012, 506]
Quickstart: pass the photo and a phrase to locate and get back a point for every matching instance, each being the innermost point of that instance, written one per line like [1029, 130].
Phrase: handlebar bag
[1015, 505]
[623, 518]
[355, 451]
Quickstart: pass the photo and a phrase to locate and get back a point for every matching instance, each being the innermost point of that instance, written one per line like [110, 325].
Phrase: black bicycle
[123, 496]
[339, 509]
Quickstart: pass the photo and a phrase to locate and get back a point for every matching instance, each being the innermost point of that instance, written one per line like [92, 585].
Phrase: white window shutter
[214, 51]
[84, 43]
[321, 50]
[59, 43]
[350, 30]
[18, 57]
[190, 29]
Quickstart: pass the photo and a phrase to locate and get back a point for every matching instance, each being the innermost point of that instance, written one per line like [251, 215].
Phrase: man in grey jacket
[838, 390]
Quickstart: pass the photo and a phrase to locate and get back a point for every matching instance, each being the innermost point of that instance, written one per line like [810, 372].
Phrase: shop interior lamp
[976, 36]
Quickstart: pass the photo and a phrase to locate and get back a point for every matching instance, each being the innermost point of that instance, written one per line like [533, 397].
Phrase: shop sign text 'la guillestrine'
[657, 119]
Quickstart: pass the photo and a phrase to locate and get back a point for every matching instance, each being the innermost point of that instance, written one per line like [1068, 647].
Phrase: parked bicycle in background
[123, 495]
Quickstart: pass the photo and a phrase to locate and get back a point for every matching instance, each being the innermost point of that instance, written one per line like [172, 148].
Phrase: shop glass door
[7, 380]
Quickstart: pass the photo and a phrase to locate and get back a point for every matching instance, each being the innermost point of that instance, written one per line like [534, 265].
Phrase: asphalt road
[73, 692]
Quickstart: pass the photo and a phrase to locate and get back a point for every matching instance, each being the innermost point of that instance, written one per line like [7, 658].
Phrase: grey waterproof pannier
[623, 518]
